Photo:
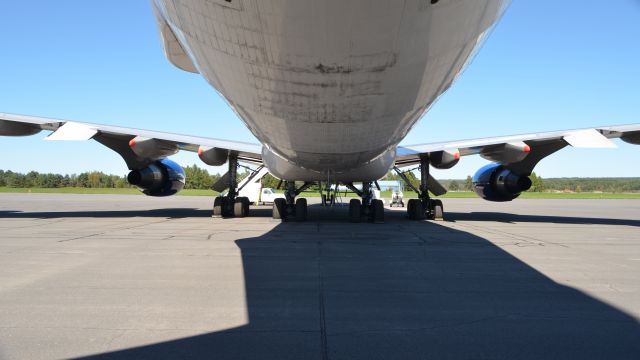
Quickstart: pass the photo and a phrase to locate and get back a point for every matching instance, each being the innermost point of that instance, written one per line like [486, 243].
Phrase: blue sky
[549, 65]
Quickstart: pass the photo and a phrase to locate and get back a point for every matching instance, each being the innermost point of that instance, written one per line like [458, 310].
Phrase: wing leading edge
[521, 153]
[137, 147]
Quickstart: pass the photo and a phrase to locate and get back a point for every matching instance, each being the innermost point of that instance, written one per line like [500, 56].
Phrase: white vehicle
[251, 188]
[269, 196]
[329, 89]
[397, 198]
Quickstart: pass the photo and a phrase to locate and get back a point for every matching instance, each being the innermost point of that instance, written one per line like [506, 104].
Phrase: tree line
[34, 179]
[199, 178]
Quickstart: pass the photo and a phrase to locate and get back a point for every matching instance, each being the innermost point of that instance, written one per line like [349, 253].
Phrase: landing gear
[415, 210]
[231, 205]
[327, 195]
[424, 207]
[369, 209]
[327, 200]
[241, 207]
[291, 208]
[355, 210]
[279, 206]
[301, 209]
[377, 207]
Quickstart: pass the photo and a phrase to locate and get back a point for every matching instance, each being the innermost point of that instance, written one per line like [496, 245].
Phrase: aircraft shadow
[513, 218]
[321, 213]
[323, 290]
[170, 213]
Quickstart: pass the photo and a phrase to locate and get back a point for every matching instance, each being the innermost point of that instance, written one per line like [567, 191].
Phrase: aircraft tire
[301, 209]
[378, 211]
[279, 208]
[239, 209]
[437, 213]
[217, 206]
[355, 210]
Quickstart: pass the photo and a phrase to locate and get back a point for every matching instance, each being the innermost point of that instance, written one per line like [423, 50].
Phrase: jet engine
[494, 182]
[161, 178]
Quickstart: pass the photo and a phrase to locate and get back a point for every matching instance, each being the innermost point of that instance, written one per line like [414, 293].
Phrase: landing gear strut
[369, 209]
[424, 207]
[231, 205]
[291, 208]
[327, 194]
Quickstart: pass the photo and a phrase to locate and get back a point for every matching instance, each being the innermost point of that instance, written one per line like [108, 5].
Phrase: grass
[526, 195]
[385, 194]
[110, 191]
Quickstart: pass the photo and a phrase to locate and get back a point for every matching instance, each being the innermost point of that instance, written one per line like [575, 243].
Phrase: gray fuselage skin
[329, 87]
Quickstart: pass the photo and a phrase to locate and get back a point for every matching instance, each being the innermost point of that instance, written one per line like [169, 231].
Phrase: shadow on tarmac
[516, 218]
[329, 290]
[178, 213]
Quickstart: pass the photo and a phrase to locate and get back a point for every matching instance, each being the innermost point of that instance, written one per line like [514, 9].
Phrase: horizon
[207, 168]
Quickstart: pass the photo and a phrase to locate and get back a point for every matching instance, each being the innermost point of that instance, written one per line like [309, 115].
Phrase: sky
[548, 65]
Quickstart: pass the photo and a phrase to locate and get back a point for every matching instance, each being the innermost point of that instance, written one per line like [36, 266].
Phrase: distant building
[390, 185]
[385, 185]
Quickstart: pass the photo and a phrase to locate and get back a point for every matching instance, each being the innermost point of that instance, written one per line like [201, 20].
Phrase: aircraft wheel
[239, 209]
[378, 211]
[301, 209]
[246, 204]
[415, 209]
[279, 208]
[355, 210]
[217, 206]
[437, 213]
[411, 205]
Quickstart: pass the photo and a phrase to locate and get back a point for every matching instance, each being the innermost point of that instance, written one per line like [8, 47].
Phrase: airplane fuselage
[329, 87]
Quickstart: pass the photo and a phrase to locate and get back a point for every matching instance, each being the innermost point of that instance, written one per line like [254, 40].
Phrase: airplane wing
[136, 146]
[519, 153]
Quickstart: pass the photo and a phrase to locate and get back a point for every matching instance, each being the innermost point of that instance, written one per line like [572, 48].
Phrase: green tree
[454, 185]
[468, 183]
[537, 183]
[270, 181]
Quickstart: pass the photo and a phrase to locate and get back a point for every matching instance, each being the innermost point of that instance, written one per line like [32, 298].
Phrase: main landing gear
[291, 208]
[231, 205]
[424, 207]
[369, 209]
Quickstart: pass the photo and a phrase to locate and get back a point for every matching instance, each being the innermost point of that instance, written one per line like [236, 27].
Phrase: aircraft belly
[330, 84]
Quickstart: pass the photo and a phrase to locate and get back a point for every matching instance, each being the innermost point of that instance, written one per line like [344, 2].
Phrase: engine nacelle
[161, 178]
[494, 182]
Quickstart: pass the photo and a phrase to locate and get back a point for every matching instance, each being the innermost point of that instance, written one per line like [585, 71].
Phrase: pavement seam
[321, 305]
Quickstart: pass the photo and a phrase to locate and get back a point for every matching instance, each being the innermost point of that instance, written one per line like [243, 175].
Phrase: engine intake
[161, 178]
[494, 182]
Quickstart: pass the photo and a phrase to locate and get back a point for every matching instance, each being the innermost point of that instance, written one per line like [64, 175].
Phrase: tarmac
[135, 277]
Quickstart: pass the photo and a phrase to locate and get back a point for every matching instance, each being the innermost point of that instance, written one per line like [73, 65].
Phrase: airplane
[330, 89]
